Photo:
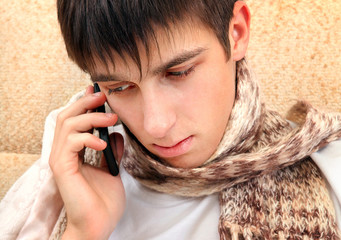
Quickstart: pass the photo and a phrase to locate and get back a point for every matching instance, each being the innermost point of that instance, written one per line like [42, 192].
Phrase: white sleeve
[30, 208]
[19, 205]
[328, 159]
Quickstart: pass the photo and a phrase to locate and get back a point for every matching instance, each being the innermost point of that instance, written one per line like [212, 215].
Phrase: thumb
[117, 144]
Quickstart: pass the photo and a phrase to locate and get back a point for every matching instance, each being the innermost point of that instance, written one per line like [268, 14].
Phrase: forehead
[166, 45]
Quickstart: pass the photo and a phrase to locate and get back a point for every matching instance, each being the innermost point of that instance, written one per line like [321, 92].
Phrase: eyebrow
[183, 57]
[105, 78]
[177, 60]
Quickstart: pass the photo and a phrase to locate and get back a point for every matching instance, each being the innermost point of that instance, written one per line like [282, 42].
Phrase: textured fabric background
[295, 50]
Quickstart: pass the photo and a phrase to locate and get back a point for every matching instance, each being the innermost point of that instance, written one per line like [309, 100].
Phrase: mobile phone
[104, 135]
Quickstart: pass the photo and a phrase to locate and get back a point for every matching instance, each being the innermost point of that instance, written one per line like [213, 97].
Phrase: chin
[184, 162]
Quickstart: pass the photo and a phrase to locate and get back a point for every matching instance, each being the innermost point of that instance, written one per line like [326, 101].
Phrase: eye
[120, 89]
[180, 74]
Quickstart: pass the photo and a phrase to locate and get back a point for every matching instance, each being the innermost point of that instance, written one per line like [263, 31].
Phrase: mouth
[175, 150]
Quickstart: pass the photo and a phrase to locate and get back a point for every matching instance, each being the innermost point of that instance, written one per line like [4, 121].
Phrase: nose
[158, 112]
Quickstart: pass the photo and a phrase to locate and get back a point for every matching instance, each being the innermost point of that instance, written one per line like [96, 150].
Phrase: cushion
[12, 166]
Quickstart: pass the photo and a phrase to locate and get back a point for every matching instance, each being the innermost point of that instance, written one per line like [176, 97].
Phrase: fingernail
[109, 115]
[97, 94]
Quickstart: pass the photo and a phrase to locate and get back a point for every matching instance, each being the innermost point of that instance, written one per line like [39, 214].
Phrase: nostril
[158, 111]
[159, 124]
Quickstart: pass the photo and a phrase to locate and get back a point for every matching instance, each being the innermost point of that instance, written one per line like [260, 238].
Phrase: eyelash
[119, 89]
[179, 74]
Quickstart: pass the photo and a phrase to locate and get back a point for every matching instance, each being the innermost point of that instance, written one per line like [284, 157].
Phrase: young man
[204, 158]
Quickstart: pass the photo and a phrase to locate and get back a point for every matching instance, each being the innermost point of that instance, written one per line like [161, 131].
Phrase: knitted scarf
[268, 186]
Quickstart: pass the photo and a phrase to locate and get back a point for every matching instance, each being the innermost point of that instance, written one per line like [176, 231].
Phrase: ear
[239, 31]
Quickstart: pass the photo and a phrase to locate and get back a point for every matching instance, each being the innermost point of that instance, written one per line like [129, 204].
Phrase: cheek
[214, 92]
[217, 102]
[127, 112]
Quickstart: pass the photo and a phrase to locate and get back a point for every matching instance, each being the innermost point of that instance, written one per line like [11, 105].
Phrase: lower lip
[179, 149]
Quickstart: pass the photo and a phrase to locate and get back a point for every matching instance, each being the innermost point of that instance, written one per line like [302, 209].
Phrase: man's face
[178, 109]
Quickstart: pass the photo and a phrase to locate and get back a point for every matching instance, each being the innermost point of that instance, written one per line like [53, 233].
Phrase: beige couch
[295, 50]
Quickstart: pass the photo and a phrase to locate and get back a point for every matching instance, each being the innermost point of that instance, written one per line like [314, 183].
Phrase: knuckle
[52, 163]
[70, 140]
[75, 143]
[61, 117]
[90, 137]
[68, 124]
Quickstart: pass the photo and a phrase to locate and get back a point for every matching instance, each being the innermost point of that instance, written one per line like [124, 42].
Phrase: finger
[77, 142]
[89, 90]
[81, 106]
[117, 145]
[103, 164]
[64, 156]
[85, 122]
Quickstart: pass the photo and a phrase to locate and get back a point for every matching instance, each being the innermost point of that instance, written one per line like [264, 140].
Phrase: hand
[94, 199]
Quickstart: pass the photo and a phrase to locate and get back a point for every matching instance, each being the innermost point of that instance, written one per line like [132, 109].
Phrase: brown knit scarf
[269, 187]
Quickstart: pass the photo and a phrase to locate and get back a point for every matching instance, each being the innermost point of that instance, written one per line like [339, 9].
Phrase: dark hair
[94, 28]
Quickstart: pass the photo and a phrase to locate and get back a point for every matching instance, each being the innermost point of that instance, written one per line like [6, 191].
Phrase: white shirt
[328, 159]
[153, 215]
[157, 216]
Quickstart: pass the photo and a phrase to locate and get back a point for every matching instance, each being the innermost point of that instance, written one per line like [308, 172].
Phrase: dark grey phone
[104, 135]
